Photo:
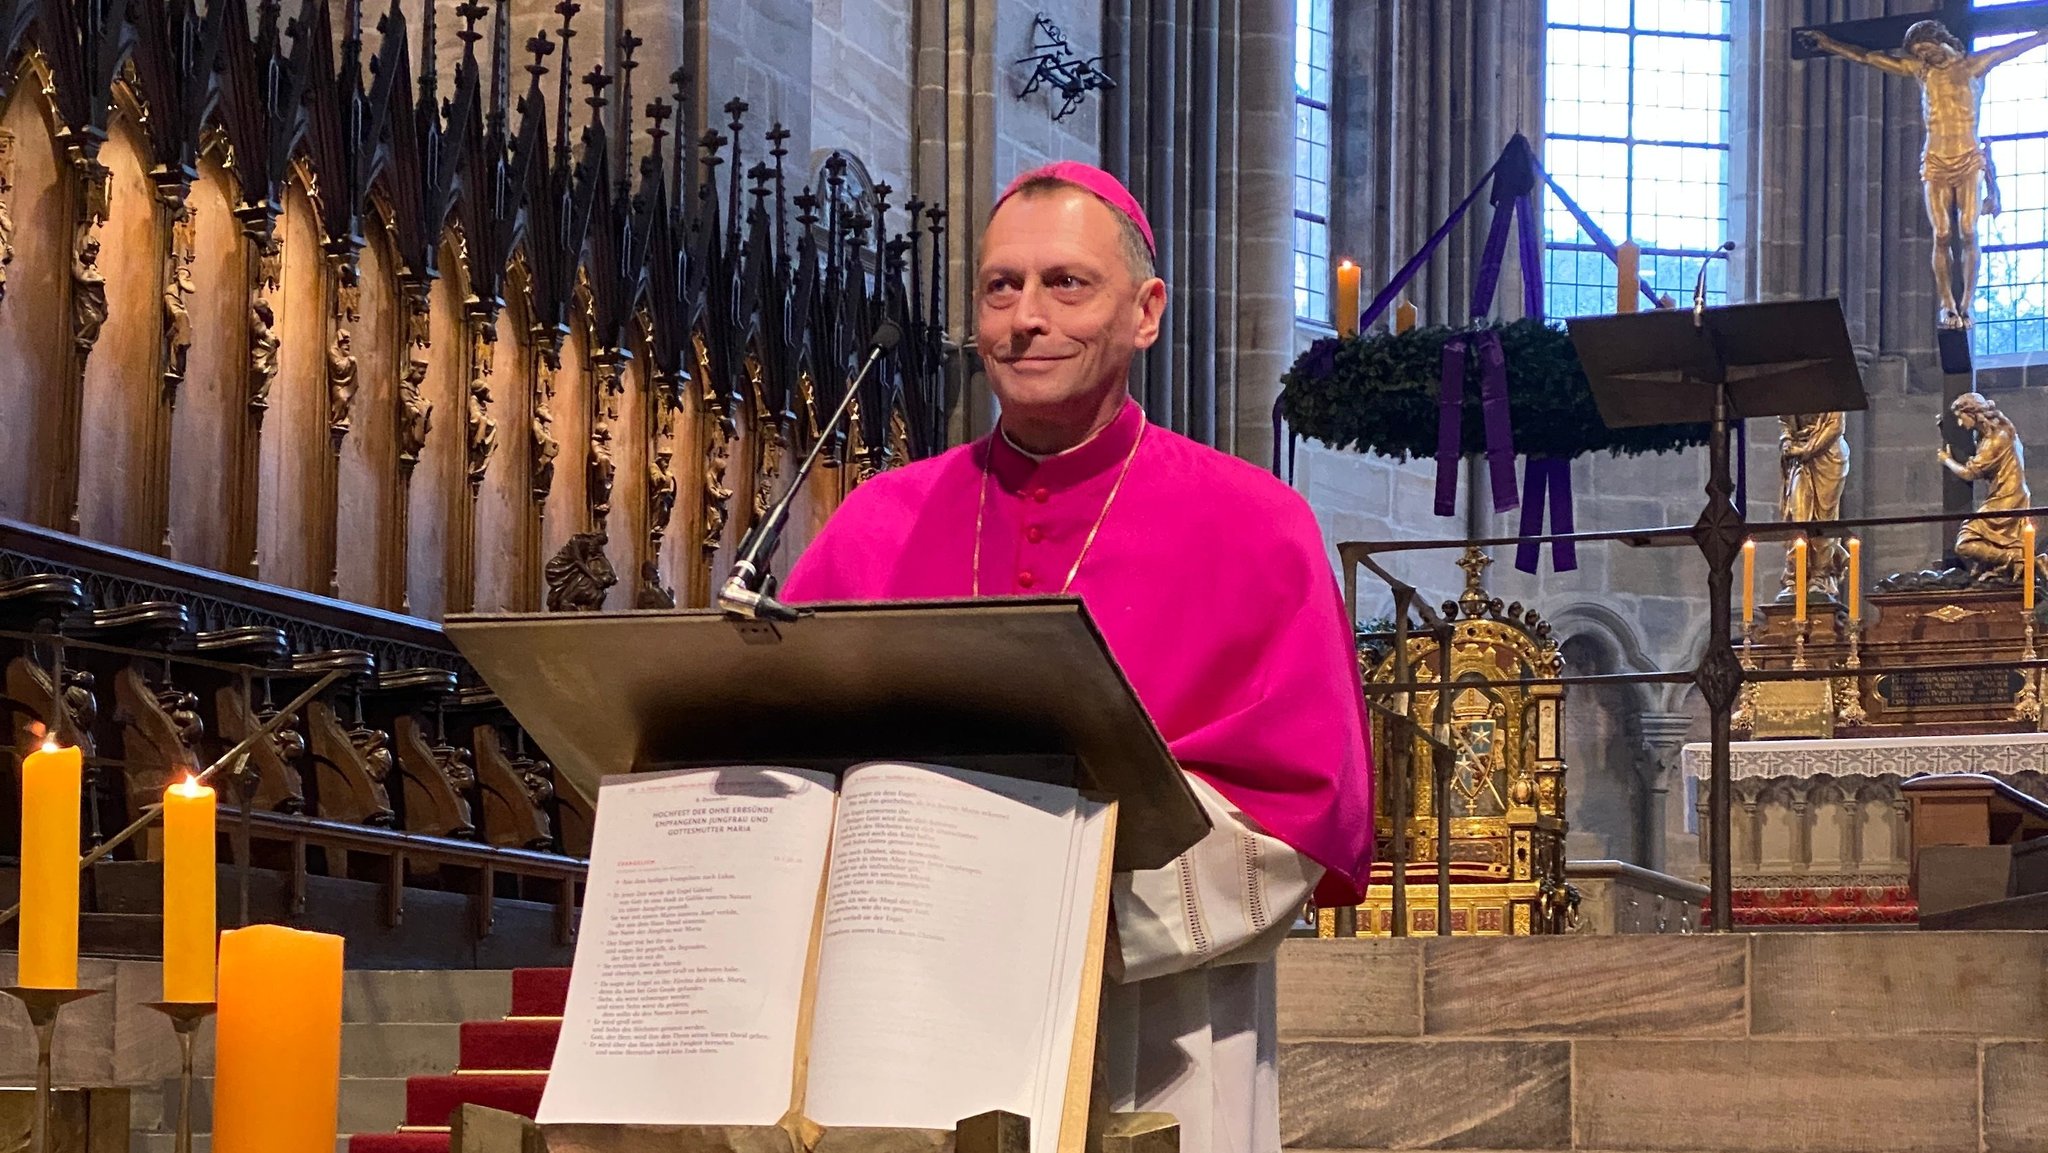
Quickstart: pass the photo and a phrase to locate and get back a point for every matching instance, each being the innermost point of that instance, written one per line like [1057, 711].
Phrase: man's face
[1058, 311]
[1934, 53]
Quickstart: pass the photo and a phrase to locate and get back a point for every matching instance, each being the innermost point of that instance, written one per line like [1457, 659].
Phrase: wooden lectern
[1019, 687]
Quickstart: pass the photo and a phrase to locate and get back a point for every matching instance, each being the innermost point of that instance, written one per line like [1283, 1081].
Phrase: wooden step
[2027, 912]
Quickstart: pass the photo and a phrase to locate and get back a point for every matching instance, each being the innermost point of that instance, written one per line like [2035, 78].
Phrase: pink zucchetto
[1107, 188]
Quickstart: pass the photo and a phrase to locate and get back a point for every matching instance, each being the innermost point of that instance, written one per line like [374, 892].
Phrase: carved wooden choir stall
[306, 342]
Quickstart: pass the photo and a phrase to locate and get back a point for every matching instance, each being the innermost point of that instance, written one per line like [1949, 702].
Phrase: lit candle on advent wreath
[1799, 578]
[1347, 298]
[1855, 579]
[277, 1063]
[51, 783]
[1748, 581]
[188, 891]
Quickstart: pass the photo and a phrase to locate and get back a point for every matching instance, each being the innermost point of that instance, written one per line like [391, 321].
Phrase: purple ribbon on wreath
[1546, 481]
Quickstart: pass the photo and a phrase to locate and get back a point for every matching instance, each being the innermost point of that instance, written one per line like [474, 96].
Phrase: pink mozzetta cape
[1208, 578]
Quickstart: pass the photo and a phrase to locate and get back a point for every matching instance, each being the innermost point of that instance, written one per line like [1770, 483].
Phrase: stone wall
[1765, 1043]
[862, 83]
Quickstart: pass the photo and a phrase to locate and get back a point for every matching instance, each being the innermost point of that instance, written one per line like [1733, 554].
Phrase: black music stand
[1717, 365]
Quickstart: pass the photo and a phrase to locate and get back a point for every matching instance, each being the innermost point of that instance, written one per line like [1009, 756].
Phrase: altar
[1821, 834]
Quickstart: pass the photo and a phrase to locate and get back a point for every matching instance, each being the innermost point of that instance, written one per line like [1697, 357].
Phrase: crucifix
[1932, 47]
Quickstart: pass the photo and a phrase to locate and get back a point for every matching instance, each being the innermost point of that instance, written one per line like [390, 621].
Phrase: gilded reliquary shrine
[1503, 773]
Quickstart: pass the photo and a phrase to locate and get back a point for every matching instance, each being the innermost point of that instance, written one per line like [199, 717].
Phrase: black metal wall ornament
[1056, 66]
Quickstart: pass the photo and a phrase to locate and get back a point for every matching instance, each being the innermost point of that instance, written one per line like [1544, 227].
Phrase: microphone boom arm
[744, 592]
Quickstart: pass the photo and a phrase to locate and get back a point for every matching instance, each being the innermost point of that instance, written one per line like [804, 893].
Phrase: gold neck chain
[981, 508]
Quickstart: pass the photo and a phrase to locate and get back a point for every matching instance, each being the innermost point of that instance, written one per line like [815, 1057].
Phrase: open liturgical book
[904, 947]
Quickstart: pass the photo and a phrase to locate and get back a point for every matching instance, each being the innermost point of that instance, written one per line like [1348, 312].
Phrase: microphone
[1699, 288]
[743, 593]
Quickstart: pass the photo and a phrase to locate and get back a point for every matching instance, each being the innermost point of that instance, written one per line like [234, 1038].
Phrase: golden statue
[1989, 547]
[1814, 459]
[1954, 162]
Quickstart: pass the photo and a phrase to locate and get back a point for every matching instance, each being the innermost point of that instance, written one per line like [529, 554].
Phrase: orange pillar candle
[1748, 581]
[2027, 579]
[1347, 298]
[188, 891]
[52, 780]
[1855, 578]
[277, 1067]
[1799, 578]
[1404, 314]
[1628, 277]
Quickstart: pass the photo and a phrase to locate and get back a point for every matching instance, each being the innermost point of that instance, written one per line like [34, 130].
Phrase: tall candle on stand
[1799, 578]
[52, 779]
[2027, 546]
[1855, 579]
[1628, 277]
[1748, 581]
[1347, 298]
[277, 1063]
[188, 891]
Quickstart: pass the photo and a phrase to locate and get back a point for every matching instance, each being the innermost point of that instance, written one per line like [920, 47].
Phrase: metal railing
[1408, 604]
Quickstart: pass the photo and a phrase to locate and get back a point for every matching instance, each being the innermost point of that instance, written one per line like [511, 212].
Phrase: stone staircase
[397, 1025]
[499, 1063]
[1778, 1042]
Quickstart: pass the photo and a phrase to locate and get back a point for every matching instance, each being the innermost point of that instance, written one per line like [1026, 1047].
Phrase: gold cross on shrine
[1475, 562]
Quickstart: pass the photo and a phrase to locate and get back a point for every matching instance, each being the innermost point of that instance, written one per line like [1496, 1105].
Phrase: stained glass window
[1312, 36]
[1636, 130]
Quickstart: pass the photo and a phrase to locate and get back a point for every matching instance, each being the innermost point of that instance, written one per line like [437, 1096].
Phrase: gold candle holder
[186, 1017]
[1849, 707]
[43, 1006]
[1744, 716]
[1799, 631]
[2027, 705]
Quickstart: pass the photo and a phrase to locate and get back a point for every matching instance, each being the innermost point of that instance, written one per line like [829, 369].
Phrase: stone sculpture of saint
[661, 489]
[341, 383]
[177, 320]
[601, 470]
[483, 429]
[1989, 546]
[88, 295]
[545, 449]
[1814, 459]
[262, 352]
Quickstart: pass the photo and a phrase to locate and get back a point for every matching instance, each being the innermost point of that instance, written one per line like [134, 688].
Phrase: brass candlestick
[2027, 705]
[1744, 717]
[1799, 631]
[43, 1006]
[186, 1017]
[1850, 707]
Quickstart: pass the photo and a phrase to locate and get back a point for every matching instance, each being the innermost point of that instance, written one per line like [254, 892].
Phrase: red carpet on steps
[504, 1066]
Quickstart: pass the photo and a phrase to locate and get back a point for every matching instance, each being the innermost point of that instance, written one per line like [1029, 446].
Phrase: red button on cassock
[1034, 534]
[1025, 580]
[1040, 495]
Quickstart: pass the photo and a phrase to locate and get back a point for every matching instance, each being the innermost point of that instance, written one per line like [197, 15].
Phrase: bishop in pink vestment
[1210, 583]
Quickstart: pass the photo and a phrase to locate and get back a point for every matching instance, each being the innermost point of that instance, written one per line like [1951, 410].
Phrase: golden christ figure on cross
[1953, 165]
